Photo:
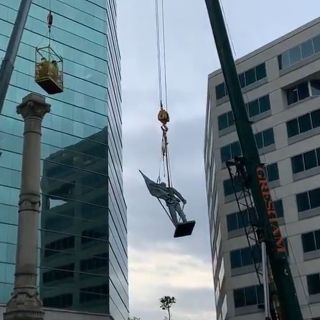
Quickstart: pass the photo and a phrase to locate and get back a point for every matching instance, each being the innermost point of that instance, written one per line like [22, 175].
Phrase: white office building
[281, 88]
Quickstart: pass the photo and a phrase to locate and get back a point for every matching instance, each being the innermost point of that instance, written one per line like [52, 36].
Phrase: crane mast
[267, 219]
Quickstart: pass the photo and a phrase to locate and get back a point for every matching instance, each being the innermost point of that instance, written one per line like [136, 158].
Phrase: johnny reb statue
[172, 200]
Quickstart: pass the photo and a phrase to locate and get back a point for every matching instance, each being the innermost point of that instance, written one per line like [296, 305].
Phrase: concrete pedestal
[25, 303]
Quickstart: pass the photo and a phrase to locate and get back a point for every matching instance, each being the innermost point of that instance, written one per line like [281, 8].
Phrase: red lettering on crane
[271, 212]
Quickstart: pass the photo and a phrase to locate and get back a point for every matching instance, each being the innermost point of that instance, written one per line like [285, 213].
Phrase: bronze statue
[172, 199]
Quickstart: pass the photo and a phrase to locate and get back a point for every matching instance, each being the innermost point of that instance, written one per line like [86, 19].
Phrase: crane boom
[289, 304]
[12, 49]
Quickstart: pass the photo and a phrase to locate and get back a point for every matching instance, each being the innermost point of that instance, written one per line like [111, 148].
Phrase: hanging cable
[163, 115]
[158, 50]
[164, 56]
[49, 21]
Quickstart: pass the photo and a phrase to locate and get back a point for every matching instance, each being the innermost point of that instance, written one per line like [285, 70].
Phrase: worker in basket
[48, 69]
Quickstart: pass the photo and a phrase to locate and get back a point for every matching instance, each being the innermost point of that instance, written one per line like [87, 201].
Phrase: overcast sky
[159, 264]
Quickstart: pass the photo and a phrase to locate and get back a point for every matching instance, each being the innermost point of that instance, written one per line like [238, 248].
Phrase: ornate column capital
[33, 105]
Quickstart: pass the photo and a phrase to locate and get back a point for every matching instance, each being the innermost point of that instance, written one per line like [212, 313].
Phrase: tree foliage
[166, 303]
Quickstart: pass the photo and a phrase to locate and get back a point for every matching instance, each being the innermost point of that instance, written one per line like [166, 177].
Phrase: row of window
[229, 187]
[306, 161]
[238, 220]
[303, 123]
[245, 79]
[295, 127]
[305, 201]
[245, 256]
[248, 296]
[60, 244]
[86, 295]
[263, 139]
[61, 301]
[248, 256]
[65, 271]
[93, 263]
[93, 293]
[299, 53]
[308, 200]
[301, 162]
[254, 108]
[302, 91]
[253, 295]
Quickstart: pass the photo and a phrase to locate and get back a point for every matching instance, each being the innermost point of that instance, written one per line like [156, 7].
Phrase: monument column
[25, 303]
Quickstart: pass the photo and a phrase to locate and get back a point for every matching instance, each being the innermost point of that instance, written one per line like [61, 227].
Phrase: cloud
[166, 271]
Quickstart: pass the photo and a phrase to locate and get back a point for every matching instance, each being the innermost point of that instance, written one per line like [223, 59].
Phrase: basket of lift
[49, 70]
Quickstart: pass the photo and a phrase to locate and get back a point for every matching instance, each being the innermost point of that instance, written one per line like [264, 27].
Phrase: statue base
[184, 229]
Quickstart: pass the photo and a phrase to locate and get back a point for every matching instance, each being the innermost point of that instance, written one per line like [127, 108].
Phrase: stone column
[25, 303]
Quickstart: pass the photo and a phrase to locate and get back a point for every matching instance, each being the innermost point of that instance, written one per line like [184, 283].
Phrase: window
[264, 138]
[258, 106]
[261, 71]
[313, 281]
[245, 256]
[315, 87]
[93, 293]
[311, 241]
[237, 221]
[307, 49]
[299, 53]
[230, 151]
[248, 296]
[297, 93]
[93, 264]
[246, 78]
[221, 91]
[278, 207]
[308, 200]
[229, 188]
[254, 108]
[272, 172]
[305, 161]
[303, 123]
[61, 301]
[57, 245]
[225, 120]
[62, 272]
[303, 90]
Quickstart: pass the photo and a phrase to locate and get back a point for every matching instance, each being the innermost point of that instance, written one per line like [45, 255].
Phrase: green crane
[267, 219]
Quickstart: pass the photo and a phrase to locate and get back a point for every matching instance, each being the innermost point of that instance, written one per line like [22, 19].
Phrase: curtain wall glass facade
[83, 227]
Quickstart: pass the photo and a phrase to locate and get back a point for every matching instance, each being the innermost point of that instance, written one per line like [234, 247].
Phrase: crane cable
[49, 21]
[163, 115]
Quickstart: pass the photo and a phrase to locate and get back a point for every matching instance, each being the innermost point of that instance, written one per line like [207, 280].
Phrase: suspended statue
[161, 190]
[172, 200]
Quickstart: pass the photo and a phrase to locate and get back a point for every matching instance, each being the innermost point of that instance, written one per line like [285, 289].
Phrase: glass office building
[83, 227]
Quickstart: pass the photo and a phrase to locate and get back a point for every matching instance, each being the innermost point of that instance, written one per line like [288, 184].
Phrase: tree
[166, 304]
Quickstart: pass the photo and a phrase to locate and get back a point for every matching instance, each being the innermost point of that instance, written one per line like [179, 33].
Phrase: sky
[160, 265]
